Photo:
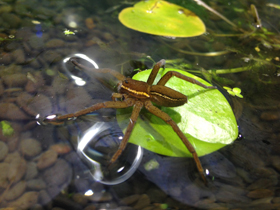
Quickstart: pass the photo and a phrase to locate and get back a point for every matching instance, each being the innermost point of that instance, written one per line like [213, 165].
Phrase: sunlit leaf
[162, 18]
[207, 120]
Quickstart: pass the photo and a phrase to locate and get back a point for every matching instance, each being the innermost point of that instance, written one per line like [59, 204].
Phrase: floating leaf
[162, 18]
[207, 120]
[234, 92]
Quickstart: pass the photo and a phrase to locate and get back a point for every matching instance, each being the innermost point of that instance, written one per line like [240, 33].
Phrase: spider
[141, 94]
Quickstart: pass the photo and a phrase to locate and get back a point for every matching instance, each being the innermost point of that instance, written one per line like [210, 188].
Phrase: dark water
[55, 167]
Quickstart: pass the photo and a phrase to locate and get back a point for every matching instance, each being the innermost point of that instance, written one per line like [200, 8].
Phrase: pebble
[263, 183]
[12, 156]
[36, 184]
[90, 207]
[10, 111]
[58, 174]
[18, 56]
[6, 58]
[51, 56]
[241, 155]
[77, 103]
[44, 197]
[15, 191]
[276, 200]
[270, 115]
[233, 189]
[47, 159]
[124, 208]
[3, 150]
[30, 147]
[156, 195]
[60, 84]
[61, 148]
[6, 8]
[36, 42]
[17, 169]
[66, 203]
[33, 105]
[129, 200]
[15, 80]
[31, 170]
[266, 200]
[229, 197]
[80, 199]
[275, 162]
[108, 37]
[107, 205]
[100, 197]
[89, 23]
[26, 201]
[34, 82]
[55, 43]
[4, 167]
[143, 202]
[12, 20]
[260, 193]
[244, 175]
[2, 89]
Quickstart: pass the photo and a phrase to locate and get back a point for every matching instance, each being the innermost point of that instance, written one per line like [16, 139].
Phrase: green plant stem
[207, 54]
[227, 71]
[201, 3]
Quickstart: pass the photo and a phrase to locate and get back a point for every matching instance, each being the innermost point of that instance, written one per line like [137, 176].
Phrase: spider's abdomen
[165, 96]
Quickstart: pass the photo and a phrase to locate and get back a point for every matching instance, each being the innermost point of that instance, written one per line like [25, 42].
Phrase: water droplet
[96, 147]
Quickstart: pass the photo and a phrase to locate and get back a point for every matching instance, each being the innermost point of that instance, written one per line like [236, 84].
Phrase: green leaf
[207, 120]
[162, 18]
[234, 92]
[7, 128]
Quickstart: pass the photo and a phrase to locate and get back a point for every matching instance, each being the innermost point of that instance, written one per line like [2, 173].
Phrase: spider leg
[108, 104]
[116, 74]
[170, 74]
[155, 70]
[120, 96]
[157, 112]
[135, 113]
[115, 96]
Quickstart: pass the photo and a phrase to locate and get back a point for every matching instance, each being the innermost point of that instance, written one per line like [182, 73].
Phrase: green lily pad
[207, 120]
[162, 18]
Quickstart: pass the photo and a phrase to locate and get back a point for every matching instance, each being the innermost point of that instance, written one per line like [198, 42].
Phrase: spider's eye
[126, 81]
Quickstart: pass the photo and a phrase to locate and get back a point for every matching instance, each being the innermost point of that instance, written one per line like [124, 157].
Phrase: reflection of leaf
[162, 18]
[207, 120]
[7, 129]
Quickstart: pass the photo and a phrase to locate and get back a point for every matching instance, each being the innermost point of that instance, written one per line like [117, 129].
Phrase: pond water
[65, 166]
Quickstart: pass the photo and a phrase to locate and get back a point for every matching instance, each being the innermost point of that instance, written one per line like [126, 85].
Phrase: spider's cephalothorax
[141, 94]
[161, 95]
